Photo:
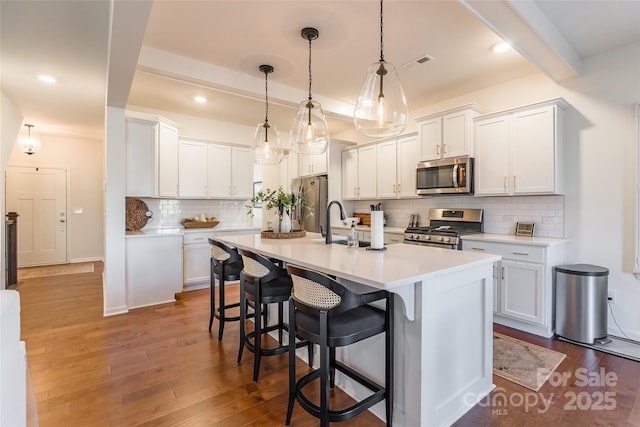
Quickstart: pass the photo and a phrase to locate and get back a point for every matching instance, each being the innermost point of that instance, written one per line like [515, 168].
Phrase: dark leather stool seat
[325, 312]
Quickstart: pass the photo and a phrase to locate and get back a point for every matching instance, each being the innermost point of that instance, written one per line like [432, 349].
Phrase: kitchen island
[444, 344]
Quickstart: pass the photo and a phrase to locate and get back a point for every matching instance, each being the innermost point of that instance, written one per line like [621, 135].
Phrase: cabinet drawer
[197, 238]
[507, 250]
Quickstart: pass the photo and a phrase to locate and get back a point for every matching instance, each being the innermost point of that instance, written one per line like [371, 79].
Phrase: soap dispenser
[352, 237]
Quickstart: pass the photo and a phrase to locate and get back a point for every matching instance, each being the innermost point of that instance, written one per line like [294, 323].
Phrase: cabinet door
[196, 263]
[533, 151]
[219, 170]
[193, 169]
[242, 171]
[393, 238]
[141, 158]
[521, 290]
[167, 160]
[431, 138]
[492, 156]
[456, 135]
[386, 161]
[367, 172]
[350, 174]
[408, 155]
[313, 164]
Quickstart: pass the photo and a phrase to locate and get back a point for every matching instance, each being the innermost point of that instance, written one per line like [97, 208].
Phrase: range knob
[439, 238]
[427, 237]
[447, 239]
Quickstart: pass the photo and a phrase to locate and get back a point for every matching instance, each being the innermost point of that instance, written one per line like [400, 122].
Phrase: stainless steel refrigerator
[313, 190]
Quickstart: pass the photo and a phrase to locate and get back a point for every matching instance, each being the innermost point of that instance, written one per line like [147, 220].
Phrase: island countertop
[398, 265]
[443, 339]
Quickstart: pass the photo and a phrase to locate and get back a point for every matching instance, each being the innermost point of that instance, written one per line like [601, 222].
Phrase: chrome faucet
[328, 238]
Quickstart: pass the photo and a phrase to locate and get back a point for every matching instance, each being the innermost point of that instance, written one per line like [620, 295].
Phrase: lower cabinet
[522, 282]
[197, 257]
[196, 253]
[153, 269]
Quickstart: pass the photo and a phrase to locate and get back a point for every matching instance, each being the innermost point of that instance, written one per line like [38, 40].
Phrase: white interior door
[39, 196]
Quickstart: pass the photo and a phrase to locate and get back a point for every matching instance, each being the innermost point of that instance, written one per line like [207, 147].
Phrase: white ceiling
[214, 48]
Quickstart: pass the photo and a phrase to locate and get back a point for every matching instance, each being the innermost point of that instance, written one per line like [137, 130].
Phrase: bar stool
[226, 265]
[326, 313]
[262, 282]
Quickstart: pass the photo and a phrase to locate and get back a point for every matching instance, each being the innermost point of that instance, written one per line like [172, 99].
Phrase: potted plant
[282, 202]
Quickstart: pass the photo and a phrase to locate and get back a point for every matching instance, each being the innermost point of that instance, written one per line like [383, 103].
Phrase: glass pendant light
[310, 133]
[266, 148]
[30, 142]
[381, 109]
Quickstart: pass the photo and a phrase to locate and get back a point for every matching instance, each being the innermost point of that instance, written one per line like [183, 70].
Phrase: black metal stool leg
[257, 338]
[243, 318]
[280, 322]
[332, 369]
[212, 293]
[324, 372]
[292, 362]
[221, 311]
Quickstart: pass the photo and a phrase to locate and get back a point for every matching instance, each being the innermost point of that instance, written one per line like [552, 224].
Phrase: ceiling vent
[418, 61]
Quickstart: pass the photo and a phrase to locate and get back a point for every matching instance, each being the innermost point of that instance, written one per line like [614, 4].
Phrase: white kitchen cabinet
[448, 133]
[359, 173]
[153, 269]
[193, 169]
[167, 159]
[396, 167]
[312, 164]
[151, 146]
[519, 151]
[230, 172]
[196, 252]
[523, 288]
[393, 238]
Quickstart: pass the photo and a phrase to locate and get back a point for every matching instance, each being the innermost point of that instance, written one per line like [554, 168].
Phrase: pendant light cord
[381, 35]
[309, 38]
[266, 98]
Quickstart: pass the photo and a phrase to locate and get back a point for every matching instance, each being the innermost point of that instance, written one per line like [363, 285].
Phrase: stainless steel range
[445, 228]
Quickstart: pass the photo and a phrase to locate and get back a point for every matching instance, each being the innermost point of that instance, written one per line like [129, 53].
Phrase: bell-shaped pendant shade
[381, 109]
[266, 148]
[310, 133]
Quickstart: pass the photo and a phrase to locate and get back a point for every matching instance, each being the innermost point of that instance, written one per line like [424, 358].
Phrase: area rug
[54, 270]
[523, 363]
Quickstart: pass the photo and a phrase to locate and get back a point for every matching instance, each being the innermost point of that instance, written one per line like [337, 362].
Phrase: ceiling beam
[526, 27]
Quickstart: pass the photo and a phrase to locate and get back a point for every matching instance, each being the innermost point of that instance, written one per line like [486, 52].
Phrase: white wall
[83, 159]
[11, 120]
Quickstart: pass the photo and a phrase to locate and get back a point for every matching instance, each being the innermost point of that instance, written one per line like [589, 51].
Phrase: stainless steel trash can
[581, 302]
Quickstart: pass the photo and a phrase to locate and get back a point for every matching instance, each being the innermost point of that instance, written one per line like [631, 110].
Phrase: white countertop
[386, 229]
[510, 238]
[179, 231]
[397, 266]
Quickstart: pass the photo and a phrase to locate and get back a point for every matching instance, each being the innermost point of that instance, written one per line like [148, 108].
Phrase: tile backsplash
[167, 213]
[500, 213]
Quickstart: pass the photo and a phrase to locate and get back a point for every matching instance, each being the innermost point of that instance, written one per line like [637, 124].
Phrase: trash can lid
[582, 269]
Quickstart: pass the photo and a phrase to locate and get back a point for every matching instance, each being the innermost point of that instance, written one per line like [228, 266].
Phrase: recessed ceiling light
[46, 78]
[200, 99]
[500, 47]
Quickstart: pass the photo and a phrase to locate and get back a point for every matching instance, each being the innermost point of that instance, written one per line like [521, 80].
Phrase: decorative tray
[290, 235]
[190, 223]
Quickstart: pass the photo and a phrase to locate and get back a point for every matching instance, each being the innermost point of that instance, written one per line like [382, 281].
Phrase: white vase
[276, 223]
[285, 225]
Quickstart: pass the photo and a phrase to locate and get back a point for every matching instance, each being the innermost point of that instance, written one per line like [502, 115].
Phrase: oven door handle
[454, 174]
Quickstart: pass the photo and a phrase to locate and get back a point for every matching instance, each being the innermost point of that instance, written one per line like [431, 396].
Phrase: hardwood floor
[159, 366]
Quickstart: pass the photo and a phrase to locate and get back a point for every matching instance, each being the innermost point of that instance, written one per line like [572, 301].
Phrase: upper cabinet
[312, 164]
[359, 173]
[151, 157]
[448, 133]
[193, 168]
[230, 172]
[396, 167]
[518, 152]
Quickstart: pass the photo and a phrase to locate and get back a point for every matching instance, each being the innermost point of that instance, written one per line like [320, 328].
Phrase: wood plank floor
[159, 366]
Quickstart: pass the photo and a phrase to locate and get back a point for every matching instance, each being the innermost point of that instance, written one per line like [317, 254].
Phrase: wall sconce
[30, 142]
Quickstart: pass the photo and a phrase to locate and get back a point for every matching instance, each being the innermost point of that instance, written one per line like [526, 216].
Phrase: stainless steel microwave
[446, 176]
